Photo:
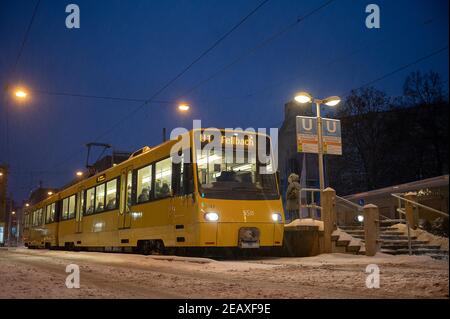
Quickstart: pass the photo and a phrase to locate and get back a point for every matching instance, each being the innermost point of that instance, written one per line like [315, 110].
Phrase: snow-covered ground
[41, 274]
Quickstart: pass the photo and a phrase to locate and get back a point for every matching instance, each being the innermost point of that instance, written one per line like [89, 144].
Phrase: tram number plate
[249, 244]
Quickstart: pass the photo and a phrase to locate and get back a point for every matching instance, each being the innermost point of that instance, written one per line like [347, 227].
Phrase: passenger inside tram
[99, 207]
[111, 204]
[144, 196]
[164, 191]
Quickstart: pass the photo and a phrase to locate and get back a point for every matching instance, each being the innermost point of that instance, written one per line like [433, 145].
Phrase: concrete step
[389, 237]
[350, 228]
[403, 242]
[384, 232]
[396, 237]
[385, 223]
[402, 246]
[419, 251]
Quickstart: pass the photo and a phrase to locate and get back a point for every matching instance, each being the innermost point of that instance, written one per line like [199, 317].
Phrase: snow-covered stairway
[343, 242]
[394, 240]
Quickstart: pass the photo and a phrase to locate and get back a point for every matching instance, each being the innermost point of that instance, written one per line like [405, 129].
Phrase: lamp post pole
[320, 146]
[304, 97]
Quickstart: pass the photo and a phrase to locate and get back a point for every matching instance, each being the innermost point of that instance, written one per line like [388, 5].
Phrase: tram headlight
[276, 217]
[211, 216]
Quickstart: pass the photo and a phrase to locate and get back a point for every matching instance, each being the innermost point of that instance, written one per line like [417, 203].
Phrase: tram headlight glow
[211, 216]
[276, 217]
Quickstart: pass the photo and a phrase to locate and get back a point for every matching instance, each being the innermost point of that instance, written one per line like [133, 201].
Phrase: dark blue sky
[132, 48]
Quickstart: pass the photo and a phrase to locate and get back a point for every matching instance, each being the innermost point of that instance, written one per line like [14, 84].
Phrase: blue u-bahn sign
[307, 138]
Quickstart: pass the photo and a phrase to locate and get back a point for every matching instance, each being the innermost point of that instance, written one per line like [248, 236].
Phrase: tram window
[90, 201]
[48, 216]
[81, 195]
[188, 179]
[163, 178]
[177, 178]
[100, 198]
[144, 184]
[182, 178]
[65, 208]
[111, 194]
[39, 216]
[129, 188]
[72, 205]
[50, 213]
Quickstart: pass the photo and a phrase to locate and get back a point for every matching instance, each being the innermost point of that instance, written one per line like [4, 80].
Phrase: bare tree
[424, 88]
[366, 131]
[426, 92]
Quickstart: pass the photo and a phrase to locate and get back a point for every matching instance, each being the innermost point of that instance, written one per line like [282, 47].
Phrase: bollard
[328, 217]
[409, 210]
[371, 221]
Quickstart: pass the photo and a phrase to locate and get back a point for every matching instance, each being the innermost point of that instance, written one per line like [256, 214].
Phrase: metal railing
[342, 206]
[416, 204]
[402, 212]
[310, 203]
[358, 207]
[405, 220]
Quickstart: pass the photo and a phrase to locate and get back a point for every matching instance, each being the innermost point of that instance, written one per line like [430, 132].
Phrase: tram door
[126, 180]
[182, 204]
[79, 211]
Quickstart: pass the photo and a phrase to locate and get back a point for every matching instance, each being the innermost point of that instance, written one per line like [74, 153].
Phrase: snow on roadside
[135, 276]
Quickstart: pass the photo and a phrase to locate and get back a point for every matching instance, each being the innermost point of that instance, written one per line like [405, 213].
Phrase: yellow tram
[151, 202]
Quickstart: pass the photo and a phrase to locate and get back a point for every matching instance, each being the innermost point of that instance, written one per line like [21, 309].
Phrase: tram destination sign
[307, 137]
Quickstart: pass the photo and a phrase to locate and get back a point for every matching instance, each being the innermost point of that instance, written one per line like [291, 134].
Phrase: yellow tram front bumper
[226, 234]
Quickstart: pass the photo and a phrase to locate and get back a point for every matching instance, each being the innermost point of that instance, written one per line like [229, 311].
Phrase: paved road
[41, 274]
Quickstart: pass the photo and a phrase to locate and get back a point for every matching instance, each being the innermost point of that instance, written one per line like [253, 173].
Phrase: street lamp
[79, 173]
[183, 107]
[20, 93]
[304, 97]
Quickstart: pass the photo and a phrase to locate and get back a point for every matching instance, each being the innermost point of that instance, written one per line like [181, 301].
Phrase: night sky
[132, 48]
